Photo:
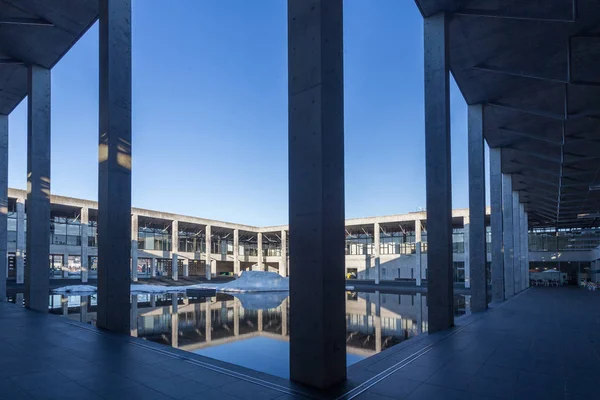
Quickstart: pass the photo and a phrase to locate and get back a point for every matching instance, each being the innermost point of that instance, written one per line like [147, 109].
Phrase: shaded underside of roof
[37, 32]
[535, 66]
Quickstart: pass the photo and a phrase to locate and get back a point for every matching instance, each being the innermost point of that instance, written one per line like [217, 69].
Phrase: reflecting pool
[252, 330]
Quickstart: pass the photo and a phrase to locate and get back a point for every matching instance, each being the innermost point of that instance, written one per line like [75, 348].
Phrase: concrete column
[3, 204]
[496, 219]
[236, 252]
[134, 315]
[65, 271]
[466, 229]
[154, 267]
[476, 256]
[175, 250]
[85, 262]
[174, 267]
[518, 274]
[134, 247]
[284, 317]
[186, 267]
[260, 320]
[418, 267]
[208, 253]
[38, 185]
[174, 321]
[114, 171]
[84, 302]
[526, 246]
[440, 287]
[260, 252]
[283, 261]
[377, 251]
[507, 236]
[152, 300]
[20, 255]
[316, 192]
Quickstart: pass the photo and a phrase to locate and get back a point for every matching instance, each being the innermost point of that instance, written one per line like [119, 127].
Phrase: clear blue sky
[210, 112]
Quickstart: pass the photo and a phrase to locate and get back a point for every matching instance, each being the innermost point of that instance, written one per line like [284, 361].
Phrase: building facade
[384, 248]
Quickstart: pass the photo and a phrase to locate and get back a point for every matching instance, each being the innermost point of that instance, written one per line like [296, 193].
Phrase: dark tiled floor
[543, 344]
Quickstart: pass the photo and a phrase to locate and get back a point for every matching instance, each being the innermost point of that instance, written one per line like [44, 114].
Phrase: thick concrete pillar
[377, 251]
[208, 263]
[152, 300]
[260, 320]
[518, 274]
[496, 219]
[236, 252]
[114, 171]
[134, 247]
[507, 236]
[260, 252]
[526, 247]
[154, 266]
[476, 256]
[3, 204]
[175, 250]
[440, 288]
[134, 315]
[316, 192]
[85, 261]
[283, 261]
[418, 267]
[20, 255]
[466, 226]
[38, 189]
[64, 304]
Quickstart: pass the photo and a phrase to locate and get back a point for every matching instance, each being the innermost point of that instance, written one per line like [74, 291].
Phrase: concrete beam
[508, 236]
[476, 255]
[38, 184]
[114, 172]
[3, 204]
[316, 192]
[438, 177]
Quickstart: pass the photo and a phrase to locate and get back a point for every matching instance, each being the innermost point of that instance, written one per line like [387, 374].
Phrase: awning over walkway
[534, 66]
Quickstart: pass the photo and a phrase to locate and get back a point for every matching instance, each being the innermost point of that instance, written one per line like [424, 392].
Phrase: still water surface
[252, 330]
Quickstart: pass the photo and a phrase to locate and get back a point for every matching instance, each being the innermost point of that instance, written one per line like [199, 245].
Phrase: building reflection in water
[374, 321]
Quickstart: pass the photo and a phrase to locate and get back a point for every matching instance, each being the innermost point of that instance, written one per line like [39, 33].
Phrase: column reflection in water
[174, 321]
[83, 308]
[134, 315]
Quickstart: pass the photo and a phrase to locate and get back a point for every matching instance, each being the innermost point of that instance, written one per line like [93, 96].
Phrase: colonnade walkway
[541, 344]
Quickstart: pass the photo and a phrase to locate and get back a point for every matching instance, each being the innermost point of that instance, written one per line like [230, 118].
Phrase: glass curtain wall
[152, 238]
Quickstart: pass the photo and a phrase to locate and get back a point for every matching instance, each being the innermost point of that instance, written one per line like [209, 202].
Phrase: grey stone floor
[543, 344]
